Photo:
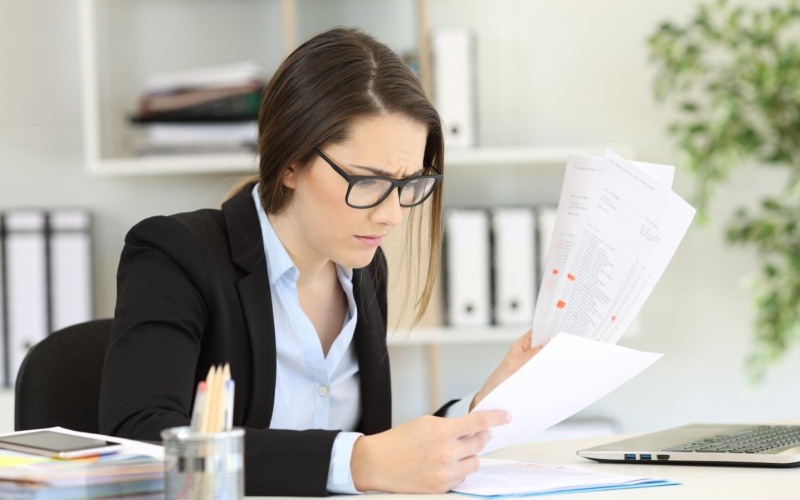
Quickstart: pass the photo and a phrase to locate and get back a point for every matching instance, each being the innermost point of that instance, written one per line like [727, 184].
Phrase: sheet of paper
[617, 227]
[567, 375]
[511, 478]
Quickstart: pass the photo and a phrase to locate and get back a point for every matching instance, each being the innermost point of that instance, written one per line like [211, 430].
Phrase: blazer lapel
[373, 356]
[247, 251]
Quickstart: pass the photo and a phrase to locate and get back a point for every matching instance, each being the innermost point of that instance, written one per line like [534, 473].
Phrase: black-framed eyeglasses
[367, 191]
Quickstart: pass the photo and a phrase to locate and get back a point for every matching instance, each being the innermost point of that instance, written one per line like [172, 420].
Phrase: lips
[370, 240]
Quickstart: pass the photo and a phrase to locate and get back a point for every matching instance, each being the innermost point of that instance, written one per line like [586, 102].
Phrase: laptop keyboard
[752, 440]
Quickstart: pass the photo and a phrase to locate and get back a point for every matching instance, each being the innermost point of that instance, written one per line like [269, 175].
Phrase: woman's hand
[518, 355]
[426, 455]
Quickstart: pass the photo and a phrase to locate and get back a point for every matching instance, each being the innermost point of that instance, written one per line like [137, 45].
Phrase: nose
[389, 211]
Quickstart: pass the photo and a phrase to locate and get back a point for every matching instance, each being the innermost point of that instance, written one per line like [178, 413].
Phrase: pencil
[229, 388]
[199, 404]
[208, 407]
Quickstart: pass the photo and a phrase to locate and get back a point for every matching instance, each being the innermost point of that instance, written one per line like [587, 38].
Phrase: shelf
[177, 164]
[248, 163]
[455, 335]
[523, 155]
[123, 41]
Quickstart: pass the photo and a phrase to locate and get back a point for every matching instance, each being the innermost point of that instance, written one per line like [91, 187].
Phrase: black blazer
[192, 291]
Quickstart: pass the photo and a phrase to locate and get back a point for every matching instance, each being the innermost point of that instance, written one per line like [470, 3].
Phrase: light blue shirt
[312, 391]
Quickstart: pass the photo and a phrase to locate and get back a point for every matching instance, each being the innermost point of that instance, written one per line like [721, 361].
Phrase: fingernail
[509, 417]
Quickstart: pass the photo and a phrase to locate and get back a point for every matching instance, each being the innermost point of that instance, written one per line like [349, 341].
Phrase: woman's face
[325, 227]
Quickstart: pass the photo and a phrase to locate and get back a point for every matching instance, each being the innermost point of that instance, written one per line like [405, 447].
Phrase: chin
[358, 260]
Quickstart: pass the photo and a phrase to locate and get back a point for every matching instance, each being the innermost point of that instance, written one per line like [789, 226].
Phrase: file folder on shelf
[45, 279]
[70, 268]
[515, 261]
[453, 59]
[25, 284]
[467, 270]
[4, 375]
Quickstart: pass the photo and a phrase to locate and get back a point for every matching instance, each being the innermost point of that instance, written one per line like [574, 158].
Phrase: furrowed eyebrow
[383, 173]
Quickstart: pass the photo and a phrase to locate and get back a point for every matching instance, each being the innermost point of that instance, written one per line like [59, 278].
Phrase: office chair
[58, 383]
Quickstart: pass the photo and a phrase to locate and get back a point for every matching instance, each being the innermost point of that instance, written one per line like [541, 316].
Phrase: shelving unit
[121, 45]
[125, 40]
[455, 335]
[530, 156]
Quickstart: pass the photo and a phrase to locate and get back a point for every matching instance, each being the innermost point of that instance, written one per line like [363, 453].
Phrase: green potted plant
[733, 73]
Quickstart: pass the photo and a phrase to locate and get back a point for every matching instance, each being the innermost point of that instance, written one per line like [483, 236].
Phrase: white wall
[547, 76]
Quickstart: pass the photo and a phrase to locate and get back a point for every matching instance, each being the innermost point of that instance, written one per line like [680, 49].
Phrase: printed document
[617, 226]
[499, 478]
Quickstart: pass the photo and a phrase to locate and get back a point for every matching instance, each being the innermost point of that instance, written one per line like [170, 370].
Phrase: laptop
[707, 444]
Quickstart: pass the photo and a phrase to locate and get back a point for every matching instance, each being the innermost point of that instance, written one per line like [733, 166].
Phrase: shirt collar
[278, 260]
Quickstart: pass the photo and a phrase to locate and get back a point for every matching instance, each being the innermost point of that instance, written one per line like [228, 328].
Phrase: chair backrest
[58, 383]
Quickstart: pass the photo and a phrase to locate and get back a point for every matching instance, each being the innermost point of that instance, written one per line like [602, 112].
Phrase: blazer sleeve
[156, 353]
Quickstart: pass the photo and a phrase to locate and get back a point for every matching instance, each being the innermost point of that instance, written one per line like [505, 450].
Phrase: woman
[287, 283]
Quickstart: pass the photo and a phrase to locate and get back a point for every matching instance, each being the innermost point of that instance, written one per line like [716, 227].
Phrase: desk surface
[698, 482]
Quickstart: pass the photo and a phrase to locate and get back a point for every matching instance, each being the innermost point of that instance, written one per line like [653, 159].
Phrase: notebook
[707, 444]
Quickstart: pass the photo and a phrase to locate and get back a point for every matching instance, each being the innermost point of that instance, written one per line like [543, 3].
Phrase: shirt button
[323, 391]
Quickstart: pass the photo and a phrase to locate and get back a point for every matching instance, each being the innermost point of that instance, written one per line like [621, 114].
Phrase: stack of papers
[229, 75]
[509, 478]
[617, 226]
[103, 476]
[138, 470]
[199, 111]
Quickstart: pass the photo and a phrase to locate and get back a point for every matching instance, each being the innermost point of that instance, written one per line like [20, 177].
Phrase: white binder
[26, 283]
[453, 68]
[515, 260]
[467, 264]
[4, 377]
[546, 223]
[70, 267]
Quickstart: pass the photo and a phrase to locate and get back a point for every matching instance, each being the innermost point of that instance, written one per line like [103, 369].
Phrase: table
[698, 482]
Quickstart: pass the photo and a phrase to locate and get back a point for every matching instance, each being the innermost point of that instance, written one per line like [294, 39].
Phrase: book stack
[199, 111]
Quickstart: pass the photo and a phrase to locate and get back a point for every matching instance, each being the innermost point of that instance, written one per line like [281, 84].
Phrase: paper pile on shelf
[199, 111]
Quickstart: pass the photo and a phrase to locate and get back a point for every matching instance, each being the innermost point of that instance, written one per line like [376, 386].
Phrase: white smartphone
[58, 444]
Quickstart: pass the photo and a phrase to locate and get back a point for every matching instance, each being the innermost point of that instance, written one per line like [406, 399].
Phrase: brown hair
[317, 92]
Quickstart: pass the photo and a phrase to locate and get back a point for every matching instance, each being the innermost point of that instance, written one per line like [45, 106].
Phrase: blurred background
[549, 77]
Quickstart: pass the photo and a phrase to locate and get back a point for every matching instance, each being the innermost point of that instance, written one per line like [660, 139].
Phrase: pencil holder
[202, 465]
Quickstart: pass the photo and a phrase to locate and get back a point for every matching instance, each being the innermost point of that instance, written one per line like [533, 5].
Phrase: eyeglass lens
[368, 192]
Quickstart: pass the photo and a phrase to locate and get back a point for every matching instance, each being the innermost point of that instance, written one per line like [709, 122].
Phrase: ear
[290, 176]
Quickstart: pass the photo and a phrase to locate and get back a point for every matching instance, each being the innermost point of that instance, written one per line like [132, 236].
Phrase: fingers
[480, 421]
[524, 342]
[465, 467]
[474, 444]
